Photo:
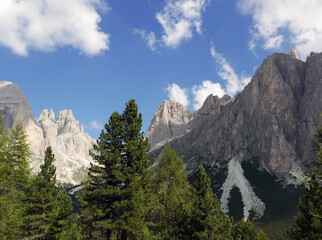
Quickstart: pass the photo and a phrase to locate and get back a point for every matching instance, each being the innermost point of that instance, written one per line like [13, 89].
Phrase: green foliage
[174, 197]
[208, 221]
[48, 211]
[116, 200]
[262, 235]
[14, 177]
[308, 223]
[244, 230]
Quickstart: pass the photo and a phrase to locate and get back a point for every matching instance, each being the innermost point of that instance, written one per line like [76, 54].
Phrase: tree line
[124, 197]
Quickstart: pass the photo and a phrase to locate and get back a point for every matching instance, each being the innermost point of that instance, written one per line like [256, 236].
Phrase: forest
[125, 197]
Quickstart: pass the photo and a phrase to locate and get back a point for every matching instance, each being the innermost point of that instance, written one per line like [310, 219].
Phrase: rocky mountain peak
[212, 104]
[272, 119]
[69, 142]
[47, 115]
[67, 123]
[169, 121]
[293, 54]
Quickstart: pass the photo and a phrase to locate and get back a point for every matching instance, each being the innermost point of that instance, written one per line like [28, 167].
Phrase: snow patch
[250, 200]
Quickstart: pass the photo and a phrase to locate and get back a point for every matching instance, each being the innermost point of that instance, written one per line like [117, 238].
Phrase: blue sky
[92, 56]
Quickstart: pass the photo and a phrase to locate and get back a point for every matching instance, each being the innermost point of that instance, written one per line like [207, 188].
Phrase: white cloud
[45, 25]
[179, 18]
[274, 21]
[149, 38]
[234, 83]
[95, 125]
[178, 94]
[201, 92]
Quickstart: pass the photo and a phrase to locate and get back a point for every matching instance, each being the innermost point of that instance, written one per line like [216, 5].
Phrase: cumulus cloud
[149, 38]
[95, 125]
[45, 25]
[179, 19]
[234, 83]
[275, 21]
[178, 94]
[201, 92]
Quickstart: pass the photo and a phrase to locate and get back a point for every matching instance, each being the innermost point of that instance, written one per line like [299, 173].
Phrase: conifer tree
[48, 212]
[174, 195]
[308, 223]
[14, 177]
[116, 199]
[208, 221]
[244, 230]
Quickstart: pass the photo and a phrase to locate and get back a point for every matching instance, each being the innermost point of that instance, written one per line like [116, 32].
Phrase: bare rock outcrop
[69, 142]
[170, 121]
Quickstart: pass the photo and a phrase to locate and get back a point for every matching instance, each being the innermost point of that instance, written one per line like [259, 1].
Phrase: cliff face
[273, 119]
[170, 121]
[69, 142]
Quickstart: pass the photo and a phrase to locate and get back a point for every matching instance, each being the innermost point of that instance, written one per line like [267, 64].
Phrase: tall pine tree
[48, 212]
[308, 223]
[174, 197]
[208, 221]
[14, 177]
[116, 198]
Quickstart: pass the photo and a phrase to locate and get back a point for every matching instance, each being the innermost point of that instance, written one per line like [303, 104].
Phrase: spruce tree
[207, 220]
[174, 197]
[14, 177]
[116, 199]
[102, 190]
[48, 212]
[308, 223]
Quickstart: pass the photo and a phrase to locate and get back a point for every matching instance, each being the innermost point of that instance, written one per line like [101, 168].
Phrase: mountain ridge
[69, 142]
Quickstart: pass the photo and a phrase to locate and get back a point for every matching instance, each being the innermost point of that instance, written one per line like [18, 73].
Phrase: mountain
[170, 121]
[263, 132]
[69, 142]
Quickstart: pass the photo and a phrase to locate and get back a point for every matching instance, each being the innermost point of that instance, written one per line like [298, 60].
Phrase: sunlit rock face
[170, 121]
[69, 142]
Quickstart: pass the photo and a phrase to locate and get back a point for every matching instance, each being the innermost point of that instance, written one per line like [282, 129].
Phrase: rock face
[272, 119]
[170, 121]
[69, 142]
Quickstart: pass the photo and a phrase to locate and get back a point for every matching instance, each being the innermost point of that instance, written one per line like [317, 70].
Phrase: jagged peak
[293, 54]
[45, 114]
[65, 113]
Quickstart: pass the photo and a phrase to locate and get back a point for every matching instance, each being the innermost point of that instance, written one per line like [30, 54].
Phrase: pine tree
[308, 223]
[102, 190]
[48, 212]
[208, 221]
[244, 230]
[174, 197]
[116, 199]
[14, 177]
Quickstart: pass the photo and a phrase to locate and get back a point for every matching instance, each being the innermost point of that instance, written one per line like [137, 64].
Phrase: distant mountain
[267, 127]
[169, 121]
[69, 142]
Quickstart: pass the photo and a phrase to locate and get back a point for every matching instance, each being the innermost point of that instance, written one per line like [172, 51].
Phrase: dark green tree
[308, 222]
[102, 190]
[207, 220]
[174, 197]
[244, 230]
[116, 198]
[14, 177]
[48, 212]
